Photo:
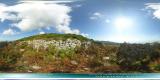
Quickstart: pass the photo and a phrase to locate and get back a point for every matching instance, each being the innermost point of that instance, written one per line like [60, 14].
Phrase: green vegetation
[3, 44]
[98, 57]
[137, 57]
[52, 36]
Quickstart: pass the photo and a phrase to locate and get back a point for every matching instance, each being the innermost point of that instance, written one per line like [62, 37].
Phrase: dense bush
[3, 44]
[9, 57]
[136, 56]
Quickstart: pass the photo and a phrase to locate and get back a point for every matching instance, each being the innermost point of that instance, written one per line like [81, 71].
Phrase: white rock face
[21, 50]
[105, 58]
[74, 62]
[59, 44]
[36, 67]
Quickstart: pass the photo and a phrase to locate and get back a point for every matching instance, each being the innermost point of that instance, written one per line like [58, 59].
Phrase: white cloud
[156, 8]
[34, 15]
[41, 32]
[85, 35]
[8, 32]
[47, 1]
[96, 15]
[78, 5]
[107, 21]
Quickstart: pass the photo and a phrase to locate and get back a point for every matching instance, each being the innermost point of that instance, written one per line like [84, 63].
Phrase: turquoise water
[66, 75]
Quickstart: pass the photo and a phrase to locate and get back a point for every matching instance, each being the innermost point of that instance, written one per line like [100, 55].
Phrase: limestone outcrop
[58, 44]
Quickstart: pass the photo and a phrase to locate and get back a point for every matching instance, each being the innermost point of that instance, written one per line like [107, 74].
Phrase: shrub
[135, 56]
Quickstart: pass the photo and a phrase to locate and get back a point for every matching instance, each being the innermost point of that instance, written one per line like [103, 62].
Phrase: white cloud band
[156, 8]
[9, 32]
[28, 16]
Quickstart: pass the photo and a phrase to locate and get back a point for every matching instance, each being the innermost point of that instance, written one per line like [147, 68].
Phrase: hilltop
[54, 36]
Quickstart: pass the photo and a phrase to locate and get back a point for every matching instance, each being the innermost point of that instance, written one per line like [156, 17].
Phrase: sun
[123, 23]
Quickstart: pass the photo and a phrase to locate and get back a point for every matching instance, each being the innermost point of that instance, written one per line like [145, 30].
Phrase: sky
[133, 21]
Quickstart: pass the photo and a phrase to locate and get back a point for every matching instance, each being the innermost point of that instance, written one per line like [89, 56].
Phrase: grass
[52, 36]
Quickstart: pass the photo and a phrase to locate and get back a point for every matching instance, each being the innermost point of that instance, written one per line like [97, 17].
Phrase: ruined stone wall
[59, 44]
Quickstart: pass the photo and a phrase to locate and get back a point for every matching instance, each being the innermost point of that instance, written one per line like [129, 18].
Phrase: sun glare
[123, 23]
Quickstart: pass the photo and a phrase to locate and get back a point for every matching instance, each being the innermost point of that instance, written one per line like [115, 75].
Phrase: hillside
[55, 53]
[69, 53]
[55, 36]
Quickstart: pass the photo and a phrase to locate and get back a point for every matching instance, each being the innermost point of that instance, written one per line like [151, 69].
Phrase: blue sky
[106, 20]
